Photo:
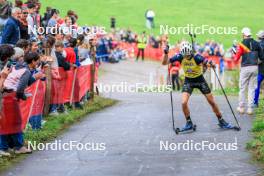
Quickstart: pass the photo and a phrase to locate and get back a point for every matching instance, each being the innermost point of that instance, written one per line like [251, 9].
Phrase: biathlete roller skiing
[194, 66]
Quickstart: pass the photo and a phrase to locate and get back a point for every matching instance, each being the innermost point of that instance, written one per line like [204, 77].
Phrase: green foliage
[176, 13]
[257, 144]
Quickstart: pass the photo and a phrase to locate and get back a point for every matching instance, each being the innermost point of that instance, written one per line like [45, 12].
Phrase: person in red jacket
[70, 54]
[174, 69]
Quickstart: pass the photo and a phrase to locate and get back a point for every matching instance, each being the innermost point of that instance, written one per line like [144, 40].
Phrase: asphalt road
[132, 133]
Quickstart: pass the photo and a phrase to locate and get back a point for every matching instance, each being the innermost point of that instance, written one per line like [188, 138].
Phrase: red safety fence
[157, 53]
[67, 86]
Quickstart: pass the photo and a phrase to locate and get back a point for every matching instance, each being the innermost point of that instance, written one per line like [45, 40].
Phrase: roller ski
[227, 126]
[188, 127]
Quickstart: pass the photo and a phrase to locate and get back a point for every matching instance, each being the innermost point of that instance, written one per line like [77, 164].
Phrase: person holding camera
[15, 84]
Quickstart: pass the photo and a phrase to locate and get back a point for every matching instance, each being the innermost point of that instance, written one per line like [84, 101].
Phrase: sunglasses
[25, 13]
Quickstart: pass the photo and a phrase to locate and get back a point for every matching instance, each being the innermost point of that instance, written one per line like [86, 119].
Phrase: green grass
[55, 126]
[228, 91]
[256, 146]
[130, 14]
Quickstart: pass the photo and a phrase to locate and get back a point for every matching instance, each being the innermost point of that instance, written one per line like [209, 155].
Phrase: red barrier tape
[67, 89]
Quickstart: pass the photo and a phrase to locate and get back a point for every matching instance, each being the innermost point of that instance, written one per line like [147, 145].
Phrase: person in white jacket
[150, 15]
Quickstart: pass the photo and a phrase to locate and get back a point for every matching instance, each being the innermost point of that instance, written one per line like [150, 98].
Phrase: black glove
[211, 63]
[21, 96]
[167, 49]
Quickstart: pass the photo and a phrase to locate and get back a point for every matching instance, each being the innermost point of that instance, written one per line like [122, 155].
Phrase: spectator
[67, 28]
[34, 45]
[6, 52]
[54, 17]
[31, 21]
[150, 15]
[47, 16]
[70, 53]
[250, 51]
[5, 12]
[24, 24]
[59, 54]
[36, 120]
[17, 81]
[23, 44]
[112, 23]
[73, 16]
[59, 47]
[83, 50]
[11, 33]
[260, 68]
[18, 57]
[174, 69]
[51, 42]
[37, 15]
[18, 3]
[142, 43]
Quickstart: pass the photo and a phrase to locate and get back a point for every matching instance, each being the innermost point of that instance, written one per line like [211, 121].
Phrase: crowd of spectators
[25, 52]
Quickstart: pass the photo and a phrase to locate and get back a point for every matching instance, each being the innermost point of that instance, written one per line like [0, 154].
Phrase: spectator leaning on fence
[260, 36]
[6, 52]
[250, 51]
[17, 81]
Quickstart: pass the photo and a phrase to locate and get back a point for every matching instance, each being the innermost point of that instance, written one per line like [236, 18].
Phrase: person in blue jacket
[11, 32]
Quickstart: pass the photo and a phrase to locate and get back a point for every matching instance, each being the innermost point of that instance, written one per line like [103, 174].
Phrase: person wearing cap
[250, 51]
[260, 36]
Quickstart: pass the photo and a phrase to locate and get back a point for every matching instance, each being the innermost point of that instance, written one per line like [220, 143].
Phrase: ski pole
[192, 36]
[227, 98]
[171, 97]
[172, 111]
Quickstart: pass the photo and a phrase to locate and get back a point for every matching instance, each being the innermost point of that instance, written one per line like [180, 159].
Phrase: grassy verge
[256, 146]
[228, 91]
[56, 125]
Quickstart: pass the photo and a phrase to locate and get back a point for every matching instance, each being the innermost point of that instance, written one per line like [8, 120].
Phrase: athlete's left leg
[213, 104]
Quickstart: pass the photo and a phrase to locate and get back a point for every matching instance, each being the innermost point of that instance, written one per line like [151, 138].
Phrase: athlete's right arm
[166, 60]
